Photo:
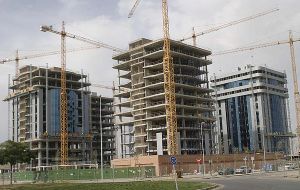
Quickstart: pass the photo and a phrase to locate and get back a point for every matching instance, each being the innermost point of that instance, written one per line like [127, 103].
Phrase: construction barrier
[81, 174]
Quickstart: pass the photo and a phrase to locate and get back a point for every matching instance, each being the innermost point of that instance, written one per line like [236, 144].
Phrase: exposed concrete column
[207, 144]
[118, 142]
[159, 144]
[40, 153]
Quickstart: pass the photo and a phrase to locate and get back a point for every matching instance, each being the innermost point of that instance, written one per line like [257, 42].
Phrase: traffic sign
[173, 160]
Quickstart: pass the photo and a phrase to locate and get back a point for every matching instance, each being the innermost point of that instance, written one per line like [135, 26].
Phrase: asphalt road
[258, 183]
[274, 181]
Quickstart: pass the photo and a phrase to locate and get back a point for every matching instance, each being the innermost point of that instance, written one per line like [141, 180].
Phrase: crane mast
[168, 69]
[63, 95]
[169, 85]
[295, 80]
[63, 101]
[17, 63]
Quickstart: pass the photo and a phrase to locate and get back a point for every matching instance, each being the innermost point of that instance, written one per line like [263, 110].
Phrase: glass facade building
[35, 106]
[251, 111]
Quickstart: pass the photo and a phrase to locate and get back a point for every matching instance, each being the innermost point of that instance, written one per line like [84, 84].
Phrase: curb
[214, 186]
[219, 187]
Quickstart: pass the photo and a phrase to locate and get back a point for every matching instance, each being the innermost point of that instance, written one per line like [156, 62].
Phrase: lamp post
[235, 150]
[101, 136]
[202, 145]
[245, 160]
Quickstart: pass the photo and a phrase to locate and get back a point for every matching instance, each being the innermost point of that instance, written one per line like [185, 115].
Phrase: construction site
[140, 110]
[164, 105]
[35, 100]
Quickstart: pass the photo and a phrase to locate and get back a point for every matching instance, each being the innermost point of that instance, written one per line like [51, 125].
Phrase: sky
[106, 21]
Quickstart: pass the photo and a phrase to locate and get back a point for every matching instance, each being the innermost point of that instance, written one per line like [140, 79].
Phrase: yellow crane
[256, 46]
[109, 87]
[169, 84]
[296, 89]
[63, 95]
[168, 68]
[44, 54]
[290, 41]
[136, 3]
[232, 23]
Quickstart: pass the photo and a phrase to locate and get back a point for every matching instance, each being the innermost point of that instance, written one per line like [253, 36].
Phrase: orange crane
[235, 22]
[44, 54]
[169, 84]
[63, 95]
[290, 41]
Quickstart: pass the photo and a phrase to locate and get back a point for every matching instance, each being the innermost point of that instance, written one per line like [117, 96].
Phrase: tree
[13, 153]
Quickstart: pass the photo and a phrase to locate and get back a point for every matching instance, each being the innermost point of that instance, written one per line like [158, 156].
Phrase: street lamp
[101, 136]
[203, 164]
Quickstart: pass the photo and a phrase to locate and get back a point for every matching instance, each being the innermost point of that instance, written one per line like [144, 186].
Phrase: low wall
[188, 163]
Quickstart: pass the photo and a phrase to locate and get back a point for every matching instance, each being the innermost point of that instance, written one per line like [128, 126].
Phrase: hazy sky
[106, 21]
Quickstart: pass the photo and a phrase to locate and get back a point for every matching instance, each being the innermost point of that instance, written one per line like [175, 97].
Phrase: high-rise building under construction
[35, 108]
[140, 105]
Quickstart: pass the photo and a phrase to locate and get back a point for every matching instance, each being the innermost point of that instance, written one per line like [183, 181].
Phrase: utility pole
[202, 145]
[217, 116]
[8, 110]
[47, 117]
[101, 136]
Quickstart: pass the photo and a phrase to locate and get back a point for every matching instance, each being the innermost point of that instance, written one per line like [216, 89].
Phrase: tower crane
[109, 87]
[290, 41]
[136, 3]
[296, 90]
[63, 95]
[169, 84]
[44, 54]
[256, 46]
[232, 23]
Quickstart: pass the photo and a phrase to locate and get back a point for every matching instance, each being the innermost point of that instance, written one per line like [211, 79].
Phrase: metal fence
[214, 167]
[80, 174]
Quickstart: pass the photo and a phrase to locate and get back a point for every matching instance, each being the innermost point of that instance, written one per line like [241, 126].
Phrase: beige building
[140, 106]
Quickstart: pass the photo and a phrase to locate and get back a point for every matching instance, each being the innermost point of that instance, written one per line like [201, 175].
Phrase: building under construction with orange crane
[140, 110]
[35, 103]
